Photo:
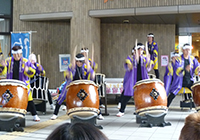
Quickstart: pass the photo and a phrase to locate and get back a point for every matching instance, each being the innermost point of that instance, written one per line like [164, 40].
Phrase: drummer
[137, 68]
[168, 77]
[185, 67]
[153, 51]
[128, 59]
[19, 68]
[79, 69]
[40, 72]
[94, 66]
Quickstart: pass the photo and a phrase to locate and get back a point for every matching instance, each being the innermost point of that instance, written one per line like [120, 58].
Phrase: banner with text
[23, 40]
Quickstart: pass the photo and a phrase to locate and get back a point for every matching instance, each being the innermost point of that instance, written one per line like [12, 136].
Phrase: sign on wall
[64, 61]
[164, 60]
[23, 40]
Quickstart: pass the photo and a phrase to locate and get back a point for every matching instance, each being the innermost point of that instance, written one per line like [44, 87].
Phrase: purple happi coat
[38, 72]
[168, 76]
[179, 73]
[85, 76]
[23, 76]
[130, 77]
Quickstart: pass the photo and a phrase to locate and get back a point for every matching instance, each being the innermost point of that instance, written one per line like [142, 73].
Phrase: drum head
[195, 84]
[148, 81]
[77, 82]
[13, 82]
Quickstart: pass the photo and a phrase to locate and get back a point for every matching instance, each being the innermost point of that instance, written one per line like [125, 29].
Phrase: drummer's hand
[40, 68]
[130, 66]
[3, 63]
[198, 69]
[187, 68]
[42, 74]
[26, 68]
[67, 74]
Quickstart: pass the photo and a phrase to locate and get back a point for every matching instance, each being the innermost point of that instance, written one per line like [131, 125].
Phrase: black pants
[57, 108]
[31, 107]
[124, 101]
[156, 73]
[49, 97]
[121, 96]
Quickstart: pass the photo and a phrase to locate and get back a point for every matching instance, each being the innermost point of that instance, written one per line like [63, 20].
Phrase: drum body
[13, 98]
[150, 97]
[196, 94]
[39, 87]
[82, 98]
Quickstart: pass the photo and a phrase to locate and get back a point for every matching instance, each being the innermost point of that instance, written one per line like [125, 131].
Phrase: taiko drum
[82, 98]
[150, 97]
[196, 94]
[13, 98]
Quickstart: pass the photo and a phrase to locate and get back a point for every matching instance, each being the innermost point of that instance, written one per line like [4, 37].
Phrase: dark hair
[186, 44]
[77, 131]
[79, 55]
[191, 129]
[15, 48]
[151, 34]
[138, 44]
[197, 58]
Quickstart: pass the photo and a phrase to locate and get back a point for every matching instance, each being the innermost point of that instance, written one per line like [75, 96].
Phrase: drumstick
[136, 52]
[39, 59]
[147, 52]
[73, 58]
[92, 54]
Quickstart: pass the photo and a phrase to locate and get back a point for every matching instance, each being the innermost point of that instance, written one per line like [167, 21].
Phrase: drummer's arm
[95, 66]
[68, 73]
[43, 73]
[179, 70]
[196, 67]
[128, 65]
[41, 69]
[29, 69]
[149, 65]
[3, 68]
[90, 74]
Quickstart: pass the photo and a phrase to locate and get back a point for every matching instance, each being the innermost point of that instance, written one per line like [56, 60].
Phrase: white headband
[84, 51]
[150, 35]
[140, 46]
[17, 51]
[174, 54]
[32, 57]
[187, 47]
[80, 59]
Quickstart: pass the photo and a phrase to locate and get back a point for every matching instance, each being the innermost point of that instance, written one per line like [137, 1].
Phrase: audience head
[77, 131]
[191, 129]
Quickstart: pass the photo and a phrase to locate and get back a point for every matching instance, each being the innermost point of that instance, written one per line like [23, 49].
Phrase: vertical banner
[23, 40]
